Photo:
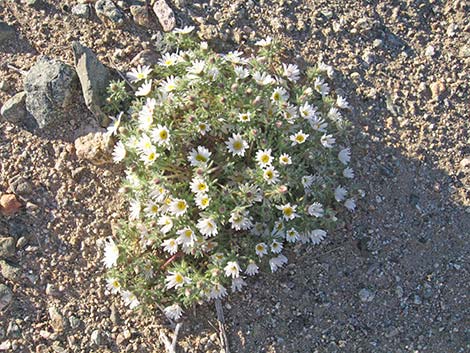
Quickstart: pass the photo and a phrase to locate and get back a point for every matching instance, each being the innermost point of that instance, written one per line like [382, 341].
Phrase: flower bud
[257, 100]
[278, 124]
[249, 91]
[234, 87]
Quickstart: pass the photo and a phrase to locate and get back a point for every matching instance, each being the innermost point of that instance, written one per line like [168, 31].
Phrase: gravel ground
[395, 278]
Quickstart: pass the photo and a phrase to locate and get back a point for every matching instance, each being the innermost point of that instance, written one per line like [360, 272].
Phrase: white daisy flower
[111, 253]
[342, 103]
[168, 59]
[264, 42]
[252, 269]
[170, 246]
[241, 72]
[176, 280]
[232, 269]
[258, 229]
[134, 208]
[238, 284]
[199, 157]
[152, 209]
[328, 141]
[288, 211]
[244, 117]
[278, 229]
[170, 84]
[316, 236]
[285, 159]
[166, 222]
[279, 95]
[276, 246]
[235, 57]
[184, 30]
[264, 158]
[213, 73]
[307, 181]
[145, 118]
[291, 72]
[145, 144]
[207, 227]
[114, 125]
[138, 74]
[318, 124]
[236, 145]
[241, 220]
[263, 78]
[261, 249]
[348, 173]
[130, 299]
[316, 210]
[203, 128]
[321, 87]
[326, 68]
[113, 285]
[197, 67]
[350, 204]
[334, 114]
[173, 312]
[277, 262]
[270, 175]
[149, 157]
[119, 152]
[186, 237]
[292, 235]
[199, 186]
[217, 291]
[298, 138]
[340, 193]
[144, 89]
[307, 111]
[161, 135]
[345, 155]
[178, 207]
[202, 201]
[290, 113]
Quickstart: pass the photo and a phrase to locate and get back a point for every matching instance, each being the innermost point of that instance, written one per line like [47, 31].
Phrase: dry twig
[221, 322]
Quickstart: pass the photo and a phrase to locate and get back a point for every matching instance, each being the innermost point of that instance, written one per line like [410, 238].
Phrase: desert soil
[395, 278]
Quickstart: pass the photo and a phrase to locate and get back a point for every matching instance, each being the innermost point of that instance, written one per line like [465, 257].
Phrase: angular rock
[366, 295]
[145, 57]
[10, 272]
[165, 15]
[9, 205]
[6, 32]
[81, 10]
[107, 9]
[95, 147]
[437, 89]
[94, 77]
[51, 87]
[58, 322]
[7, 247]
[6, 296]
[14, 109]
[141, 16]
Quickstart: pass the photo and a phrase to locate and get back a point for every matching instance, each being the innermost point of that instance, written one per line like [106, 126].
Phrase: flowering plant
[229, 159]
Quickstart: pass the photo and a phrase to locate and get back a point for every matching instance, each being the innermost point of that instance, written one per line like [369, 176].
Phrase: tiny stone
[10, 272]
[7, 247]
[58, 322]
[417, 300]
[366, 295]
[81, 10]
[4, 85]
[377, 43]
[96, 338]
[430, 51]
[6, 296]
[13, 330]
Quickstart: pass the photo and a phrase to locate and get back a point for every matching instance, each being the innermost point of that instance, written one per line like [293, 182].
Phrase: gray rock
[95, 338]
[6, 32]
[4, 85]
[366, 295]
[140, 15]
[94, 77]
[13, 330]
[114, 317]
[165, 15]
[107, 9]
[58, 322]
[51, 87]
[74, 322]
[464, 51]
[81, 10]
[14, 109]
[10, 272]
[7, 247]
[6, 296]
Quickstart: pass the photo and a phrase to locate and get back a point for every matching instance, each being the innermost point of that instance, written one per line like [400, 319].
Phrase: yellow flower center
[288, 211]
[205, 201]
[260, 247]
[264, 158]
[237, 145]
[201, 158]
[181, 205]
[188, 233]
[269, 174]
[179, 279]
[163, 135]
[300, 138]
